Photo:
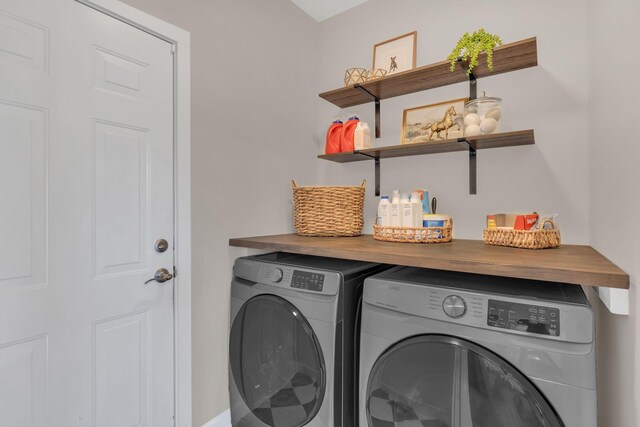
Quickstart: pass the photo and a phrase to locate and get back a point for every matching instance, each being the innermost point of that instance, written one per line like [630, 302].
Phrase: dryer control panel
[297, 279]
[309, 280]
[536, 319]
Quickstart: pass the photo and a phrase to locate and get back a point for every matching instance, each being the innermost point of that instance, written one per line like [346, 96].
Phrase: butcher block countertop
[575, 264]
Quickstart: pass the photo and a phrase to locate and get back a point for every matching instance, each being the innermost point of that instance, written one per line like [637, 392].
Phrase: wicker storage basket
[328, 211]
[414, 235]
[527, 239]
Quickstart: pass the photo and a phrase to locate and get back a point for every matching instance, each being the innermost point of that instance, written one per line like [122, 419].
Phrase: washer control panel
[499, 313]
[536, 319]
[307, 280]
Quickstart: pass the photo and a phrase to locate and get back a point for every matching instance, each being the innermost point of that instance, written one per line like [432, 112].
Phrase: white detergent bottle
[384, 211]
[366, 139]
[358, 137]
[416, 209]
[406, 212]
[362, 137]
[395, 219]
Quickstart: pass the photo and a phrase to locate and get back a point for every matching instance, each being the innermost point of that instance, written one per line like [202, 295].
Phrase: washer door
[441, 381]
[276, 362]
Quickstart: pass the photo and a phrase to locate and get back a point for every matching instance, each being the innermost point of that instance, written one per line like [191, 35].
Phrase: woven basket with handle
[414, 234]
[328, 211]
[526, 239]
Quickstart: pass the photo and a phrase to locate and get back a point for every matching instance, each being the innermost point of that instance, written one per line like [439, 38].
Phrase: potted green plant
[469, 47]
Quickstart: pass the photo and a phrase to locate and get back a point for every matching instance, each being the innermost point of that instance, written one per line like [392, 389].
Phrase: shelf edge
[524, 137]
[351, 92]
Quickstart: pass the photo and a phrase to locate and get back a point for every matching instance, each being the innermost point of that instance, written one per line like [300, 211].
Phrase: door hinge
[175, 271]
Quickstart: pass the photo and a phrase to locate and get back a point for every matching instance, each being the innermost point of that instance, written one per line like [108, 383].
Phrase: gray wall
[257, 64]
[253, 103]
[615, 202]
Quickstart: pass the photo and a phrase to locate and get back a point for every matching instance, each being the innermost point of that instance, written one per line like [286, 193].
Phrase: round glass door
[441, 381]
[276, 362]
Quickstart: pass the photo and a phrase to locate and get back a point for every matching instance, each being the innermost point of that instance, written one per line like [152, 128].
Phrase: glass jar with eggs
[482, 116]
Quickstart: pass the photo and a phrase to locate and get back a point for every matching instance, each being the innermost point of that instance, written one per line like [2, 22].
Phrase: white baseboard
[222, 420]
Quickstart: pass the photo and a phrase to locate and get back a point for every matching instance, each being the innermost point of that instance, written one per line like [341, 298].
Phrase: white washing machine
[446, 349]
[293, 338]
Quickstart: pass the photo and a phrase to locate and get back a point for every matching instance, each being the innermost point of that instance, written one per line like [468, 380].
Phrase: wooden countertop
[575, 264]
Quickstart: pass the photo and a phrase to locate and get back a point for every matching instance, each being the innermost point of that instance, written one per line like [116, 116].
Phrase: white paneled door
[86, 190]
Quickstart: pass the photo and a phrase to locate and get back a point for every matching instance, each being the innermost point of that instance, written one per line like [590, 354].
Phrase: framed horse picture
[435, 122]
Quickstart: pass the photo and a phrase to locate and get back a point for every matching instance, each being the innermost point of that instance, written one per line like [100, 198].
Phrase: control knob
[454, 306]
[276, 275]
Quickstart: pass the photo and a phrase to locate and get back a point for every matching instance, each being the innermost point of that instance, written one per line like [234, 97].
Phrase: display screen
[307, 280]
[534, 319]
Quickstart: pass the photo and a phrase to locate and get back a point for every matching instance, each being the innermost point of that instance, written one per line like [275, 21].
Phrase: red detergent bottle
[348, 130]
[333, 137]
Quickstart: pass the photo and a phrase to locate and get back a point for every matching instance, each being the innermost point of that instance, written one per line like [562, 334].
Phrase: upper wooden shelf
[508, 57]
[504, 139]
[574, 264]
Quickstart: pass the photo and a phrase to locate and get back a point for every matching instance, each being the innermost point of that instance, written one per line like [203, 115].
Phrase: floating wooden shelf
[498, 140]
[509, 57]
[574, 264]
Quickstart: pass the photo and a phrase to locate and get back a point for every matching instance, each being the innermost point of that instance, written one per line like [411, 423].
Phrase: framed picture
[397, 54]
[435, 122]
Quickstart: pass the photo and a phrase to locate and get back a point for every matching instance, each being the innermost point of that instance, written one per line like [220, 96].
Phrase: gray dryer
[446, 349]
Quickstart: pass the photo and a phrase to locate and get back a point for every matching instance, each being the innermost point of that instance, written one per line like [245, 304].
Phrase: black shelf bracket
[473, 94]
[473, 81]
[473, 173]
[377, 169]
[473, 86]
[376, 101]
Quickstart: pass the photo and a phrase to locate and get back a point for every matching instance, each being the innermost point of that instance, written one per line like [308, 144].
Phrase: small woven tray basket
[328, 211]
[414, 235]
[526, 239]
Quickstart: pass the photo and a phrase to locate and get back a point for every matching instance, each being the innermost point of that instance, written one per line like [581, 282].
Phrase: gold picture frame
[397, 54]
[433, 122]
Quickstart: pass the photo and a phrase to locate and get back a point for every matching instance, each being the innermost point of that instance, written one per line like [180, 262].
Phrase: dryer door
[276, 362]
[442, 381]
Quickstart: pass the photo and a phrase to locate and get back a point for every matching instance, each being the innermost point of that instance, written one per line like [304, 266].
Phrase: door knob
[161, 275]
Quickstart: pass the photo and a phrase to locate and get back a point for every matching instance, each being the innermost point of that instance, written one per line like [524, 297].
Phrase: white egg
[488, 125]
[471, 119]
[472, 130]
[494, 113]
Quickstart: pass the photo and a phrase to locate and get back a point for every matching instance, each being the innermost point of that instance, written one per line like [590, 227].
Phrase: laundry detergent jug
[333, 138]
[346, 137]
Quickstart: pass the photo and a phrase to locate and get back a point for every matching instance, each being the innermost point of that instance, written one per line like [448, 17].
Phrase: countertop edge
[616, 278]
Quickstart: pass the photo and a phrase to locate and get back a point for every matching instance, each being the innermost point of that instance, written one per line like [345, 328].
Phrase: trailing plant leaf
[469, 47]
